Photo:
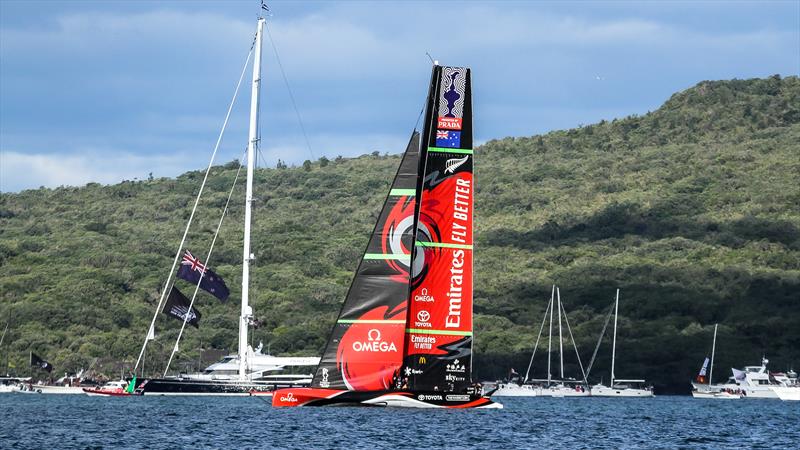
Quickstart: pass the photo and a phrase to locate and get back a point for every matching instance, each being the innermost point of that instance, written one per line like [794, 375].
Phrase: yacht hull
[514, 390]
[716, 395]
[403, 399]
[189, 387]
[105, 393]
[39, 389]
[605, 391]
[747, 391]
[787, 393]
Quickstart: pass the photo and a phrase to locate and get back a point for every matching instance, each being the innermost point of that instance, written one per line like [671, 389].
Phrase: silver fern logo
[452, 164]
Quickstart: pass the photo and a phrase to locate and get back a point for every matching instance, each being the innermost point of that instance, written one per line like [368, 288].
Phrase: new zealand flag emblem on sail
[191, 270]
[451, 139]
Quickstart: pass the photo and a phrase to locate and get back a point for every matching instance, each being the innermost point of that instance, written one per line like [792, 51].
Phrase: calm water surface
[76, 421]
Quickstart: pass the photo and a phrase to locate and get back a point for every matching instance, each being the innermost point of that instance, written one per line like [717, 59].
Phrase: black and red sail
[438, 344]
[365, 349]
[407, 318]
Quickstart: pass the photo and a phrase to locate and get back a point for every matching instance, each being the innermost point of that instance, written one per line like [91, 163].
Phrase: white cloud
[154, 83]
[21, 171]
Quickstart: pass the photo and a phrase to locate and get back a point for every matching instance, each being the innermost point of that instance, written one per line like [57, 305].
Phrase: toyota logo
[423, 316]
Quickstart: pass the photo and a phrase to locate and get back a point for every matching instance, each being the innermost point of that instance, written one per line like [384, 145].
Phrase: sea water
[77, 421]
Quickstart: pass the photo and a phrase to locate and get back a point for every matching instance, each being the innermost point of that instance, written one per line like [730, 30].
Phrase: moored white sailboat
[619, 387]
[702, 387]
[549, 387]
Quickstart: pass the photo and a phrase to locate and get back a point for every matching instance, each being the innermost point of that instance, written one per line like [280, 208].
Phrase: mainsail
[438, 341]
[379, 331]
[365, 349]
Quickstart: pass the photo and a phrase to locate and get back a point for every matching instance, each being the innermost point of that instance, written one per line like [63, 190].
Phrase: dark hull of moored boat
[183, 386]
[407, 399]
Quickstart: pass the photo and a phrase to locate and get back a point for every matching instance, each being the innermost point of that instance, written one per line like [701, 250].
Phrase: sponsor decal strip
[387, 256]
[466, 151]
[370, 321]
[443, 245]
[402, 192]
[447, 332]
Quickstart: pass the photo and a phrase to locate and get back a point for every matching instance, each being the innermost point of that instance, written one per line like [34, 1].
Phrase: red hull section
[302, 396]
[109, 393]
[334, 397]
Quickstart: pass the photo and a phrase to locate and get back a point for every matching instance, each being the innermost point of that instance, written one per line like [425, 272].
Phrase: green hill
[693, 211]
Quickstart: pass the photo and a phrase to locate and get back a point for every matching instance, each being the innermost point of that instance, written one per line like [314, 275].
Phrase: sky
[107, 91]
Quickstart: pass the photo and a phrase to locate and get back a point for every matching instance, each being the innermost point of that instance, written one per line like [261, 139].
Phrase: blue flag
[447, 139]
[192, 268]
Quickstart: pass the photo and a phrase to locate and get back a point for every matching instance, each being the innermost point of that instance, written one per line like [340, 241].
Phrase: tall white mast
[550, 336]
[614, 342]
[560, 336]
[713, 348]
[247, 311]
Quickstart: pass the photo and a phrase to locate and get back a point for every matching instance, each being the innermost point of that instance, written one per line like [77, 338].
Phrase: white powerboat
[756, 381]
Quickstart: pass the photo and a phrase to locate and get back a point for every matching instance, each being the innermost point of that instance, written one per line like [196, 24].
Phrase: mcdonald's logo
[422, 360]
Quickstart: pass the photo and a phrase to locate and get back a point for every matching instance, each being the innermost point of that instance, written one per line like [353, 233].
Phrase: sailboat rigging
[702, 387]
[619, 387]
[247, 370]
[549, 387]
[404, 334]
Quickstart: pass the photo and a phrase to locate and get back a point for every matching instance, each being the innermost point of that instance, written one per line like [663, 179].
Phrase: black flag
[191, 269]
[36, 361]
[177, 305]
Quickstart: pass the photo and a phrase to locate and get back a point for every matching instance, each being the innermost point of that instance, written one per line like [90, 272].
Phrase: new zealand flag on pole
[448, 139]
[192, 268]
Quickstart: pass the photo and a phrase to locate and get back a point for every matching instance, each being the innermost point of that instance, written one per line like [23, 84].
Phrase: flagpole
[247, 257]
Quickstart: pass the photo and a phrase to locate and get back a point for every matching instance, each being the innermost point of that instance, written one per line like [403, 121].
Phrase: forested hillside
[692, 210]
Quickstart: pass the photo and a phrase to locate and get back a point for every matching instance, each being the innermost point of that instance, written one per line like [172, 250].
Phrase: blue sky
[106, 91]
